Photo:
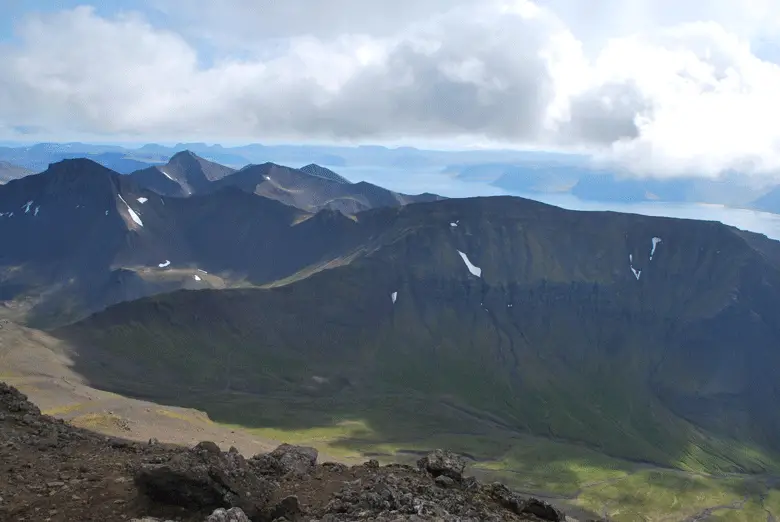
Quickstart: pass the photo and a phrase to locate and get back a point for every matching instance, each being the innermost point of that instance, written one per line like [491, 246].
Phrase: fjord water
[413, 181]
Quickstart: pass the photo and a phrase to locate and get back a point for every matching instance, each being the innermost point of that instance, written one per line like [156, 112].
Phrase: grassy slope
[606, 410]
[437, 368]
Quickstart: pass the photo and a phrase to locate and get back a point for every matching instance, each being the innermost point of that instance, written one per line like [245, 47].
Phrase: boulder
[443, 463]
[288, 509]
[286, 459]
[229, 515]
[205, 479]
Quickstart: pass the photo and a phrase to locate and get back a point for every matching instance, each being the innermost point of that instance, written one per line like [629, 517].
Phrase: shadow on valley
[554, 368]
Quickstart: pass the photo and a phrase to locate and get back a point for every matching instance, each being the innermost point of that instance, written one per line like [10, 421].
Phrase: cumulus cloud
[661, 94]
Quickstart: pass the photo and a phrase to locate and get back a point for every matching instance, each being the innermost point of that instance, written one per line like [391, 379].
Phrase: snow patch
[475, 270]
[202, 271]
[196, 277]
[655, 241]
[267, 177]
[133, 215]
[106, 212]
[163, 265]
[636, 272]
[27, 206]
[455, 223]
[167, 175]
[37, 209]
[142, 200]
[394, 296]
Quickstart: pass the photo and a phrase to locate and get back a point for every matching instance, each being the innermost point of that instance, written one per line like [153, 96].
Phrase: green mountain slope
[570, 331]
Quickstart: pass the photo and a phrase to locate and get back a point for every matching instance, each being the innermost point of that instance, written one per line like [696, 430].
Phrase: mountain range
[190, 283]
[519, 172]
[644, 337]
[86, 237]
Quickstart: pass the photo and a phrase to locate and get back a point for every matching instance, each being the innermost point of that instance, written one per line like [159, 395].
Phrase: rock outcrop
[55, 472]
[204, 478]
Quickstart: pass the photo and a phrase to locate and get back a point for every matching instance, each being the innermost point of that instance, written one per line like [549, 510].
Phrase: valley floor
[580, 480]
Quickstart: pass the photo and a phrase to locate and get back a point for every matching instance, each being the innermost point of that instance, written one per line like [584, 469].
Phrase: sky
[661, 87]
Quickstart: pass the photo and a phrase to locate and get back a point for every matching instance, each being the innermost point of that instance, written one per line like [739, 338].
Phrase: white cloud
[665, 88]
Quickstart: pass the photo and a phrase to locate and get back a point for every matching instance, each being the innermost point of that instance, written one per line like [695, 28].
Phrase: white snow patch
[133, 215]
[267, 177]
[636, 272]
[10, 214]
[453, 224]
[510, 305]
[475, 270]
[167, 175]
[202, 271]
[37, 209]
[655, 240]
[106, 212]
[27, 206]
[163, 265]
[142, 200]
[196, 277]
[394, 296]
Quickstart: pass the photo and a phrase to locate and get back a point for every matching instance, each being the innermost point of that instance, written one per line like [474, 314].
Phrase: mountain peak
[68, 171]
[185, 174]
[322, 172]
[185, 154]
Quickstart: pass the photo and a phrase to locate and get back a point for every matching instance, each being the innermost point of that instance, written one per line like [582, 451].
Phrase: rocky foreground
[51, 471]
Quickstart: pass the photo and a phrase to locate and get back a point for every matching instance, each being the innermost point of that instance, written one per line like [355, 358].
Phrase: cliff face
[640, 336]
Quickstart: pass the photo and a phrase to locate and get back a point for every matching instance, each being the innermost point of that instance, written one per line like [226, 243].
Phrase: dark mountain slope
[315, 192]
[573, 325]
[185, 174]
[84, 237]
[322, 172]
[9, 171]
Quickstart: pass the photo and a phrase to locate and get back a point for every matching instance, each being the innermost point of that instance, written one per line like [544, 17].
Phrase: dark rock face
[205, 478]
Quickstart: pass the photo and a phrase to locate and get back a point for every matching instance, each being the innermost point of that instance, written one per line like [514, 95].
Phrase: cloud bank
[662, 88]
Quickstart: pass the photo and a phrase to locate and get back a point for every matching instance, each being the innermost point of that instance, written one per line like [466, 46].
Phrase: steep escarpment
[646, 338]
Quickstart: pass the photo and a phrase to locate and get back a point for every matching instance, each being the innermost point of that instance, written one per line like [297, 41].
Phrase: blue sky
[660, 86]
